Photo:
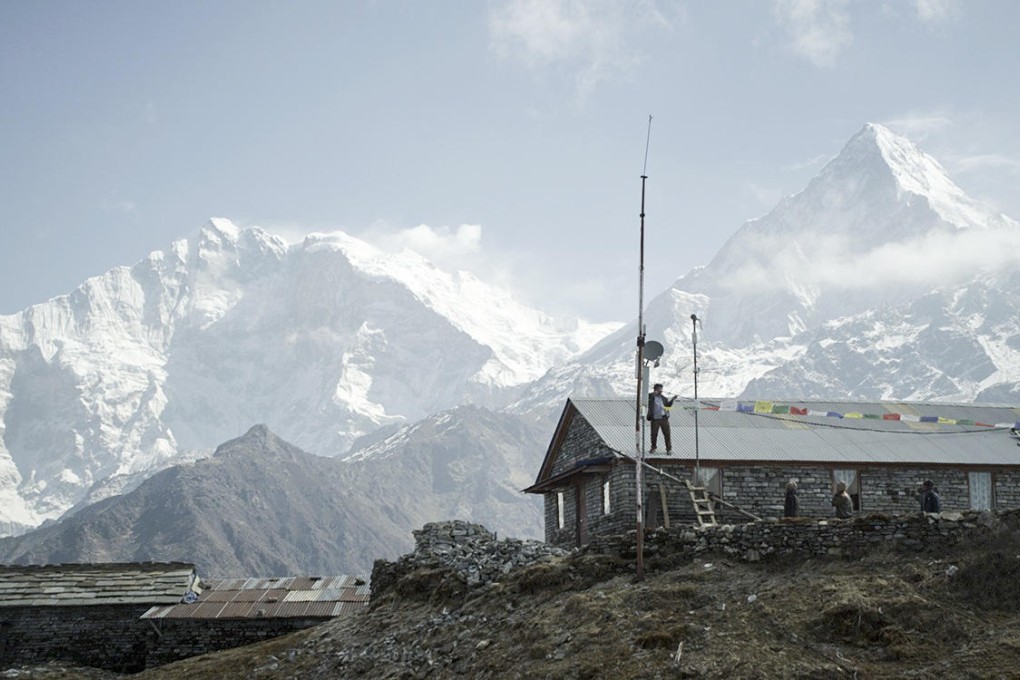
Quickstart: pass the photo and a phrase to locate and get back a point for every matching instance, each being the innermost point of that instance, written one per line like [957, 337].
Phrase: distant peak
[876, 148]
[220, 228]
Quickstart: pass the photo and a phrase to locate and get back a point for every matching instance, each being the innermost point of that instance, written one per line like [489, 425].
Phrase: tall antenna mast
[697, 404]
[638, 411]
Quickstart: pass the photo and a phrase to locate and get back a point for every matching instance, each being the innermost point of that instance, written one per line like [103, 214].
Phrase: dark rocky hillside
[258, 506]
[263, 507]
[889, 611]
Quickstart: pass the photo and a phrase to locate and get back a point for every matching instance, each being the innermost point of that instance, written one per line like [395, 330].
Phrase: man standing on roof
[930, 501]
[658, 414]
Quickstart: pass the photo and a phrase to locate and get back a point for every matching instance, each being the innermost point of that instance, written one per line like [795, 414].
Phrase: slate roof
[64, 585]
[292, 597]
[730, 435]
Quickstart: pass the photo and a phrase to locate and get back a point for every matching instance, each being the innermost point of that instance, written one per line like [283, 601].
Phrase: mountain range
[325, 341]
[433, 392]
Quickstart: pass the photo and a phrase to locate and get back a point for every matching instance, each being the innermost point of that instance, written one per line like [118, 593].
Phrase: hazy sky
[503, 137]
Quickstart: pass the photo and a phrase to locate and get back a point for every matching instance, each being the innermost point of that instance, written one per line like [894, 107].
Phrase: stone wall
[110, 637]
[183, 638]
[114, 638]
[833, 538]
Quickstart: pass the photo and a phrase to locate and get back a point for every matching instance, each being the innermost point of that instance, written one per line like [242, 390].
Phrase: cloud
[820, 159]
[445, 246]
[819, 30]
[591, 41]
[119, 206]
[918, 127]
[935, 261]
[933, 11]
[768, 196]
[985, 161]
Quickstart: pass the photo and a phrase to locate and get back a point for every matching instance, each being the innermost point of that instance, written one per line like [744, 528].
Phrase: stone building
[86, 614]
[127, 617]
[234, 612]
[745, 452]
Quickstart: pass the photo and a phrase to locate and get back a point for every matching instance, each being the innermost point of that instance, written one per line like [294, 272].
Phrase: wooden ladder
[703, 506]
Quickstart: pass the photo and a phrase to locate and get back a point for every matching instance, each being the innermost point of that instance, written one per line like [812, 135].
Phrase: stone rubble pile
[475, 554]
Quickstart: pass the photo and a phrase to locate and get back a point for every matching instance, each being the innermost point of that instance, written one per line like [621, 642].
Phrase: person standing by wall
[930, 500]
[842, 502]
[658, 415]
[790, 505]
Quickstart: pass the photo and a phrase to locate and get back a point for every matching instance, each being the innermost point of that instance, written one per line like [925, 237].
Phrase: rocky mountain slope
[260, 505]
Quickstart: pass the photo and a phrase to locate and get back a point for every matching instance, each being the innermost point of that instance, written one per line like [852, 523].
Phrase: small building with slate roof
[86, 614]
[747, 451]
[233, 612]
[125, 617]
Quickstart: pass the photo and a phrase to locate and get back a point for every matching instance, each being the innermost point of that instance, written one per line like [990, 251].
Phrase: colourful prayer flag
[780, 409]
[763, 407]
[853, 414]
[798, 411]
[891, 416]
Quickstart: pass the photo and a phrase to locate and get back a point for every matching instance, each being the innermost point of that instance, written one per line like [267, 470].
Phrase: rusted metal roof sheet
[835, 432]
[64, 585]
[292, 597]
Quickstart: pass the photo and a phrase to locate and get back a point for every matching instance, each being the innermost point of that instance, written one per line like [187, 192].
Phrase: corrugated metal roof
[727, 435]
[292, 597]
[95, 584]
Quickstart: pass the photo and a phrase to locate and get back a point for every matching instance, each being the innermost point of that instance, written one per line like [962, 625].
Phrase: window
[853, 485]
[606, 507]
[980, 484]
[559, 510]
[711, 479]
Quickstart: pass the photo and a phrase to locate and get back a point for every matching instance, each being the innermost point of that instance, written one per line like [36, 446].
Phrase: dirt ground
[889, 615]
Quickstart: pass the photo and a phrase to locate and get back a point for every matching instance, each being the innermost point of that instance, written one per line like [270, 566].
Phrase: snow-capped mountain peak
[805, 299]
[916, 174]
[324, 340]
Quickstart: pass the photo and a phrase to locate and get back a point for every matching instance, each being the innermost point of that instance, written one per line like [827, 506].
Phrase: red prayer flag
[891, 416]
[798, 411]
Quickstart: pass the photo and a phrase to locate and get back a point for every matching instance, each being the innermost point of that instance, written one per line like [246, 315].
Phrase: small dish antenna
[653, 350]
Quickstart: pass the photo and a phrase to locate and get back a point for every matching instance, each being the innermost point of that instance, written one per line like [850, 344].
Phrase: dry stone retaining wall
[772, 538]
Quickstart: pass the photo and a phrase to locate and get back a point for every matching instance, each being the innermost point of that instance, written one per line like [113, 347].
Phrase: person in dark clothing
[842, 502]
[790, 505]
[930, 500]
[658, 414]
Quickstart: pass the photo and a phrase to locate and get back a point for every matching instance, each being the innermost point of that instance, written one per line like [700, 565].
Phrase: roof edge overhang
[564, 480]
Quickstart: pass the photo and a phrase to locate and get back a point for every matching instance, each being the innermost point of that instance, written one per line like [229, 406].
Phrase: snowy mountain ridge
[324, 340]
[881, 279]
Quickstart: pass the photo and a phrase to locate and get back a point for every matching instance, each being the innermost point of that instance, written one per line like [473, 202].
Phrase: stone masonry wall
[180, 639]
[843, 538]
[109, 637]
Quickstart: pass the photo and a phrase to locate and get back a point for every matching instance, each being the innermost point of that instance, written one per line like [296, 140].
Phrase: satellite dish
[653, 350]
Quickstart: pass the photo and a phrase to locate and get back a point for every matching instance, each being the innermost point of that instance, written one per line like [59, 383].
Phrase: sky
[507, 137]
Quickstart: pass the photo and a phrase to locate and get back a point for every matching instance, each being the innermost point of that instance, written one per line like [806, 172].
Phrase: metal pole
[697, 404]
[638, 411]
